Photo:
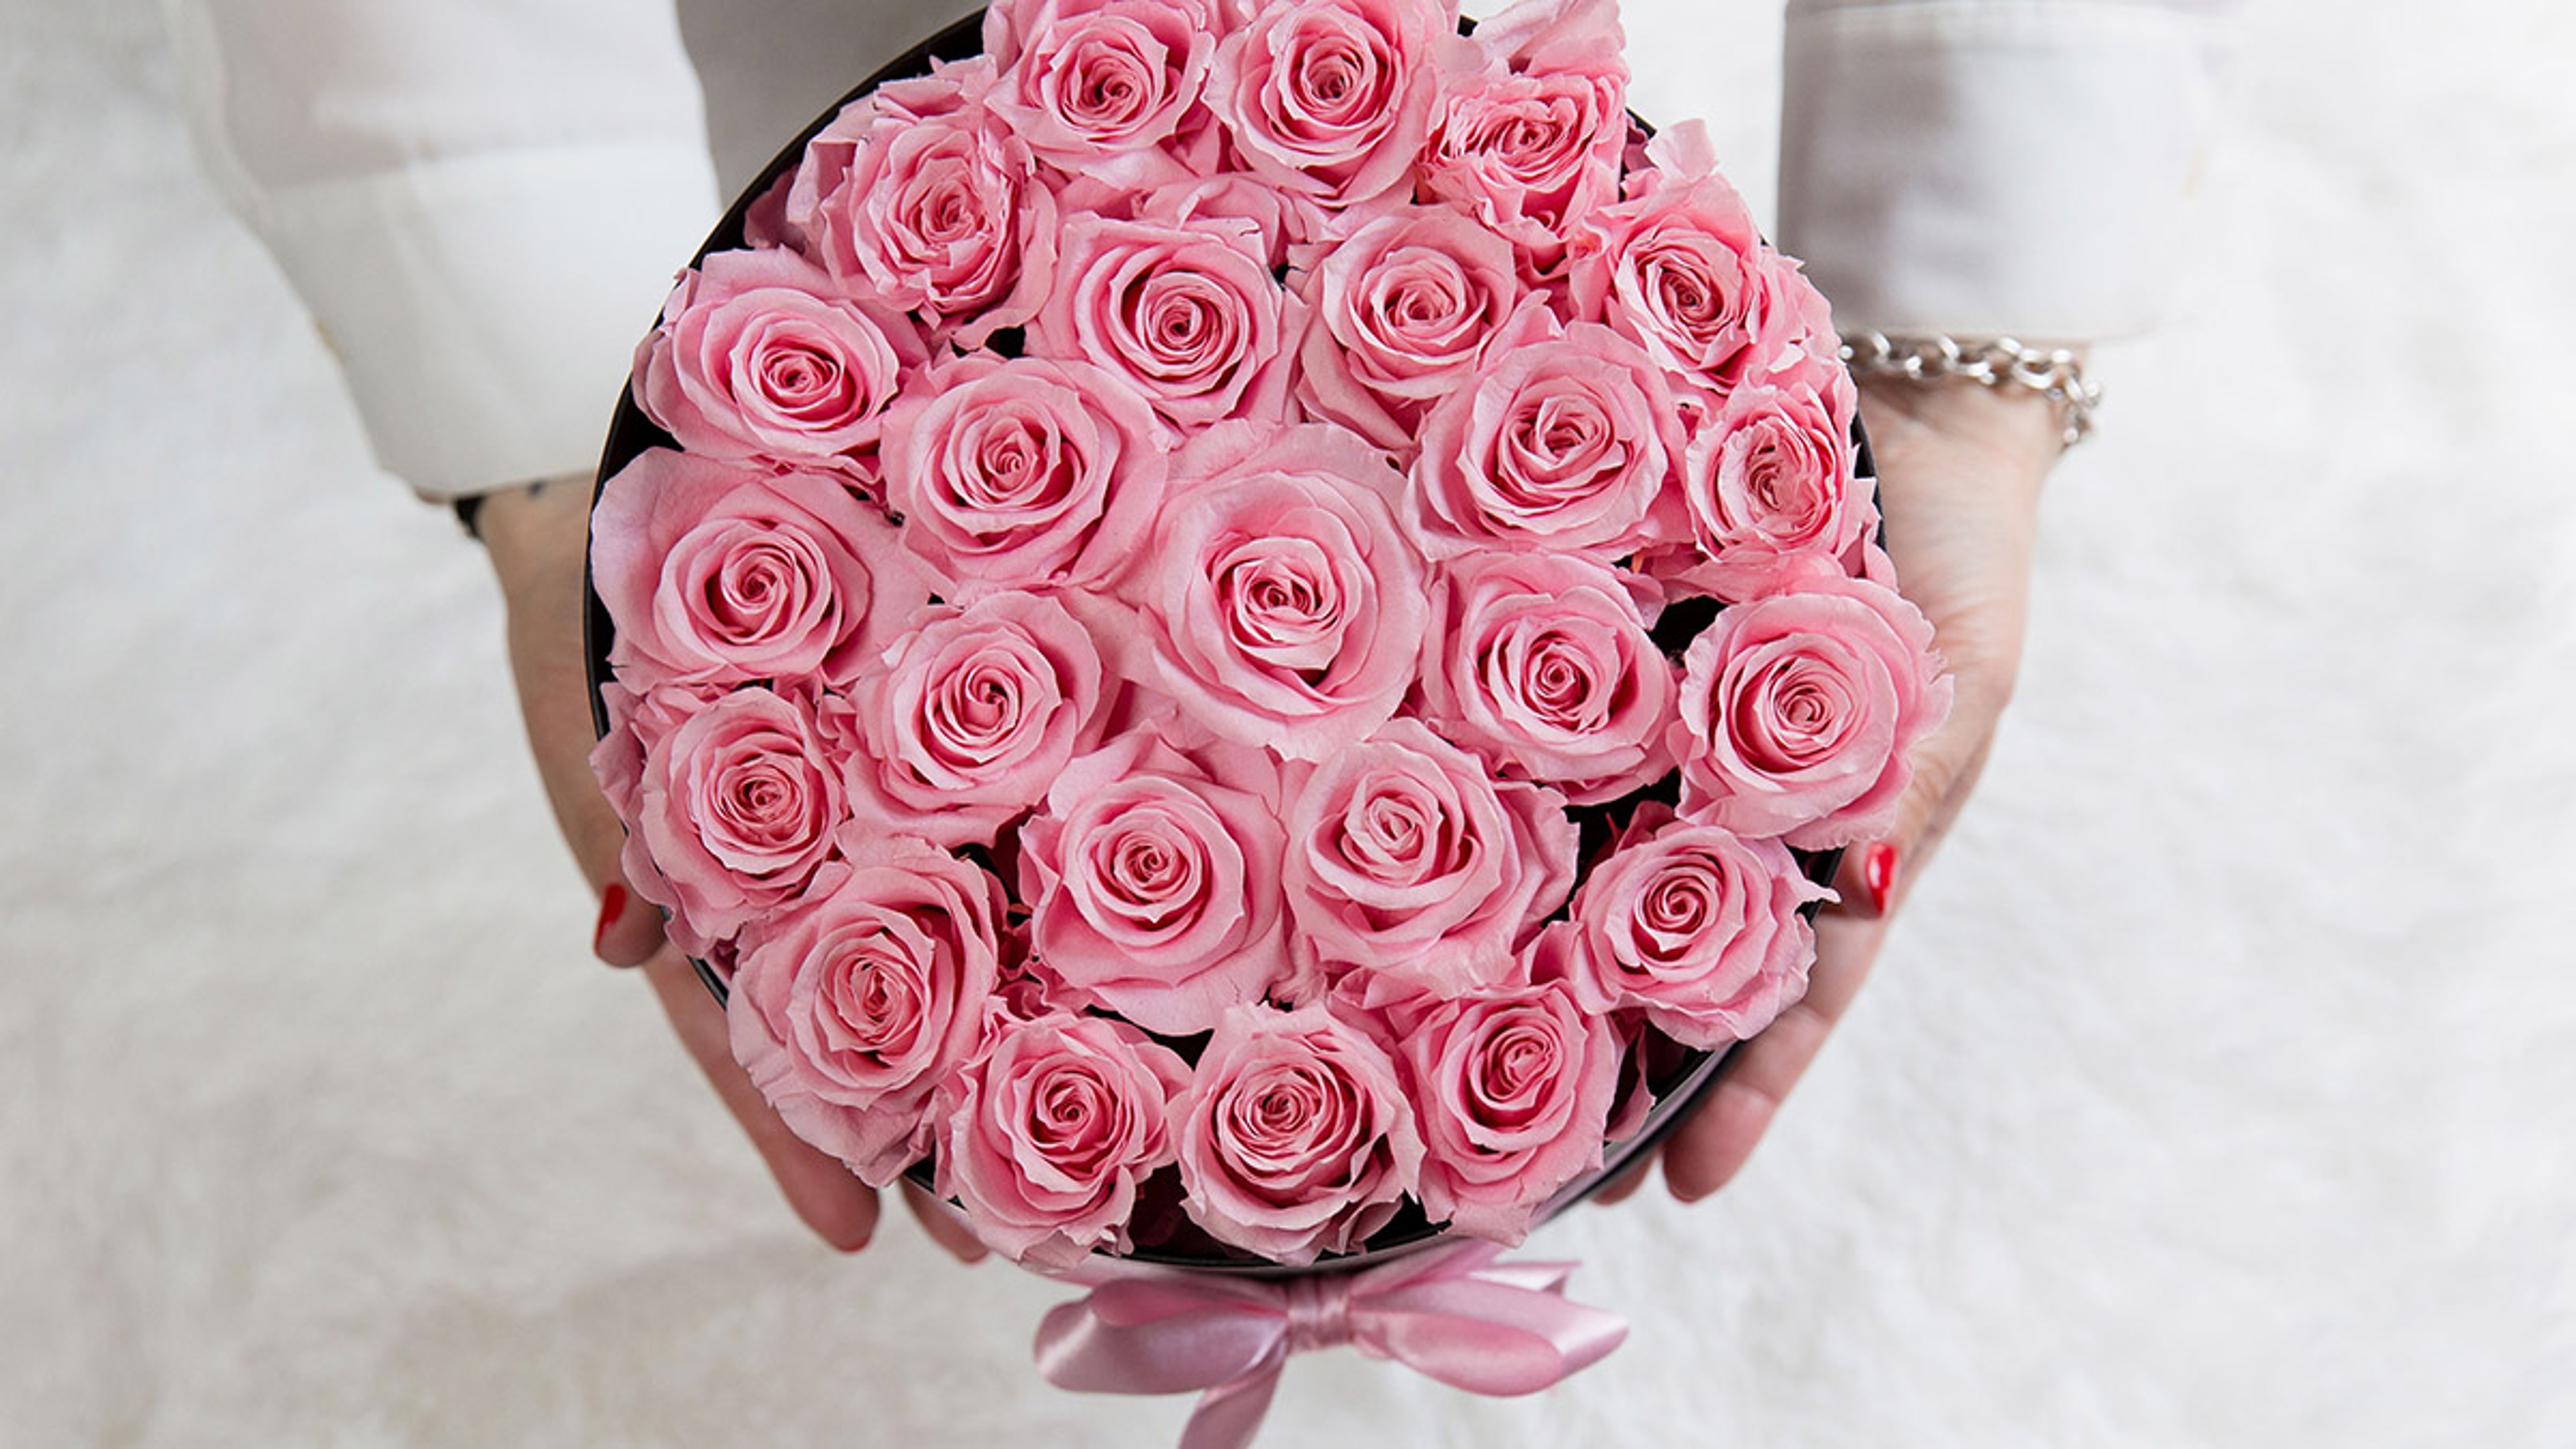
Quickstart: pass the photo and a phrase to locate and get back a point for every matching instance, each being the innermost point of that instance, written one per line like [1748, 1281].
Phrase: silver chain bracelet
[2054, 373]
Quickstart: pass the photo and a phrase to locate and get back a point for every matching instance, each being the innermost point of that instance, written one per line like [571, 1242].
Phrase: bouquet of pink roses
[1237, 618]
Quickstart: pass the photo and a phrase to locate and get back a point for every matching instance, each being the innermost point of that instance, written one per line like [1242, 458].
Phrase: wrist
[2003, 365]
[2017, 433]
[535, 531]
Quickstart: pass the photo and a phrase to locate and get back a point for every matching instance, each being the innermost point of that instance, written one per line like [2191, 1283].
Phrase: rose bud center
[874, 1004]
[1557, 438]
[1152, 872]
[1339, 81]
[1513, 1074]
[980, 707]
[1801, 711]
[1680, 905]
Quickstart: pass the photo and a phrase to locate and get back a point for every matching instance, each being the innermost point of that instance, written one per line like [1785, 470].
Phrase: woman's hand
[1960, 468]
[538, 537]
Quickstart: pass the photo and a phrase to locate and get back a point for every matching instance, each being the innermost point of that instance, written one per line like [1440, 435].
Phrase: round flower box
[1244, 639]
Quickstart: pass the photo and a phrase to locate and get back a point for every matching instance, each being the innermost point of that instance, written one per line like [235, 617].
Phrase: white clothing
[483, 201]
[2013, 166]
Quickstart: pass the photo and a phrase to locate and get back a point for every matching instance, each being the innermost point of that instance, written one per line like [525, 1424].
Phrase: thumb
[538, 538]
[945, 1224]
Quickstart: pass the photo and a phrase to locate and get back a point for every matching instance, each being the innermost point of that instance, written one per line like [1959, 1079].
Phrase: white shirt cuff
[1975, 167]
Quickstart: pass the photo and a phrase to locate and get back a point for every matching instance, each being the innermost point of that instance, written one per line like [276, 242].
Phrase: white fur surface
[2218, 1088]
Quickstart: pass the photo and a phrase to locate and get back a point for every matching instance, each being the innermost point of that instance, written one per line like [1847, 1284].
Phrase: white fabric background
[2215, 1090]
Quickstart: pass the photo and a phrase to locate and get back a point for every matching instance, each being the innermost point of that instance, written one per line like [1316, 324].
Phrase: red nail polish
[612, 904]
[1878, 872]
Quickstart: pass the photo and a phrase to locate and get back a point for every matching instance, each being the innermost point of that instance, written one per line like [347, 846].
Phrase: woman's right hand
[538, 537]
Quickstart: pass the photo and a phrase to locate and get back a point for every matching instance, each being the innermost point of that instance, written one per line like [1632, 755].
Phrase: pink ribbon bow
[1455, 1314]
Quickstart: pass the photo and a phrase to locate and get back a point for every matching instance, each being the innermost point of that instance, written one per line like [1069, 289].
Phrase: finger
[1865, 881]
[1630, 1178]
[629, 929]
[1713, 1144]
[943, 1224]
[839, 1208]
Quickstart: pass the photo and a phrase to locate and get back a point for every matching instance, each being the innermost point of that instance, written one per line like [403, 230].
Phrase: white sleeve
[770, 66]
[482, 202]
[1984, 166]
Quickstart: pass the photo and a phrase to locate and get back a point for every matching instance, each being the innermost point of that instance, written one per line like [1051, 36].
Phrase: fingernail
[612, 904]
[1878, 873]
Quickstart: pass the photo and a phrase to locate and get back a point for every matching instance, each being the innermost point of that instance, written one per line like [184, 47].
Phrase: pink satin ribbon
[1455, 1314]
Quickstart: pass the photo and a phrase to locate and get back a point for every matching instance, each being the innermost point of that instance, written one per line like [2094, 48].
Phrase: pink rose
[1562, 443]
[760, 355]
[1542, 664]
[1332, 98]
[1798, 709]
[1154, 887]
[1405, 306]
[716, 575]
[1694, 926]
[637, 722]
[849, 1010]
[924, 194]
[1532, 143]
[966, 720]
[1678, 267]
[1188, 314]
[1296, 1138]
[1024, 473]
[1512, 1090]
[1050, 1131]
[736, 809]
[1773, 474]
[1406, 862]
[1098, 87]
[1534, 156]
[1281, 605]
